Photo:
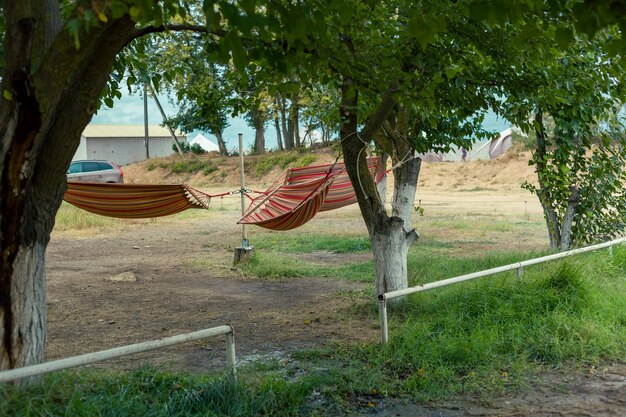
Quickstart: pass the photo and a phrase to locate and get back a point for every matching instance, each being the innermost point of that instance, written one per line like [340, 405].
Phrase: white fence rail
[518, 266]
[44, 368]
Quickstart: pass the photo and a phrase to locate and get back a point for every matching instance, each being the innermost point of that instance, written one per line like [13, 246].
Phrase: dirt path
[597, 393]
[106, 291]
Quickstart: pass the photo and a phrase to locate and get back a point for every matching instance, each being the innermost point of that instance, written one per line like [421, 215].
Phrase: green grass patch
[274, 265]
[72, 218]
[492, 334]
[291, 243]
[155, 393]
[265, 163]
[428, 260]
[426, 263]
[192, 165]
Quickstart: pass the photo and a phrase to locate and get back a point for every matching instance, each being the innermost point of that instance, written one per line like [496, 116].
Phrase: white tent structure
[486, 150]
[204, 143]
[497, 146]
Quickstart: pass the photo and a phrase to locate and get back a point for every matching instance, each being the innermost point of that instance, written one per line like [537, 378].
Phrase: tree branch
[139, 32]
[411, 237]
[380, 114]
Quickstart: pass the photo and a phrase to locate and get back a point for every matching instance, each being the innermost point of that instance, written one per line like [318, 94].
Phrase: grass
[280, 256]
[155, 393]
[192, 165]
[274, 265]
[484, 336]
[265, 163]
[495, 334]
[70, 218]
[280, 242]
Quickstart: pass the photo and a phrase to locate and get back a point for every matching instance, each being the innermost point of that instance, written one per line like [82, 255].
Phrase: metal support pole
[244, 243]
[230, 353]
[611, 250]
[158, 103]
[145, 120]
[382, 310]
[519, 271]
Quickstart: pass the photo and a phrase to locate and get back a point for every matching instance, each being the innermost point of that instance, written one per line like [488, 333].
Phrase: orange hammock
[135, 201]
[303, 192]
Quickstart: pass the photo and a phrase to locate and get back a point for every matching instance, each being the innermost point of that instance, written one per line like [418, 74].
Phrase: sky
[128, 110]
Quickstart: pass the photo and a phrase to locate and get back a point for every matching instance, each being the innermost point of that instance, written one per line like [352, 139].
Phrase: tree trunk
[390, 241]
[283, 120]
[568, 219]
[220, 143]
[552, 221]
[259, 136]
[295, 105]
[390, 246]
[41, 120]
[382, 184]
[294, 134]
[279, 140]
[404, 188]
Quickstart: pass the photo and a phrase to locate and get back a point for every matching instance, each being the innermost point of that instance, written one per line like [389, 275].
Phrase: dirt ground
[144, 280]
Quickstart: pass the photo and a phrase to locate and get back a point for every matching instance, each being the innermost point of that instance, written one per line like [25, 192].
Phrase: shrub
[197, 149]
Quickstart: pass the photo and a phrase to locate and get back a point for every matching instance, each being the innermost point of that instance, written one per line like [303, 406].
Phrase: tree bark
[283, 121]
[221, 144]
[382, 184]
[406, 174]
[552, 221]
[568, 219]
[41, 119]
[389, 238]
[294, 135]
[259, 135]
[279, 140]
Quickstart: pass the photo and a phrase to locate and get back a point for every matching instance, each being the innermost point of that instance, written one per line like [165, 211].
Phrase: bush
[265, 163]
[197, 149]
[184, 146]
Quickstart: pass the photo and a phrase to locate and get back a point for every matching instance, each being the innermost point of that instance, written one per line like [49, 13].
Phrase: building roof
[127, 131]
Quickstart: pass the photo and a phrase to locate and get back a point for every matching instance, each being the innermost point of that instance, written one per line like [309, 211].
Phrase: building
[125, 144]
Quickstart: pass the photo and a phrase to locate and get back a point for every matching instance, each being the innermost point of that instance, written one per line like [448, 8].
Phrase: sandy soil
[144, 280]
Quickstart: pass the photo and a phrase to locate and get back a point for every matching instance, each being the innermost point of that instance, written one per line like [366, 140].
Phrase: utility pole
[145, 120]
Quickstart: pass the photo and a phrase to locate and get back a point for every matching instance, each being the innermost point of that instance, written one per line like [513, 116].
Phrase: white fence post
[382, 310]
[230, 353]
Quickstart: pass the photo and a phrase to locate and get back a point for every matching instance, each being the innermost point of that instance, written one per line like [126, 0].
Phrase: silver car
[95, 171]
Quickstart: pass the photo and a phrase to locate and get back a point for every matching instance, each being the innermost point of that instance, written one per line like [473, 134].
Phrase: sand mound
[507, 172]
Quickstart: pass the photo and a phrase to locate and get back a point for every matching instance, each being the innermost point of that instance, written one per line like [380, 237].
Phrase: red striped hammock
[301, 193]
[134, 201]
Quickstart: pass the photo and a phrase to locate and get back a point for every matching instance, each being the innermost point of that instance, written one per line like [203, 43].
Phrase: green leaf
[564, 36]
[134, 12]
[240, 57]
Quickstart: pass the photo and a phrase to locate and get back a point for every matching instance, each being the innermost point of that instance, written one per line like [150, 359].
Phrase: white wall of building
[81, 152]
[123, 151]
